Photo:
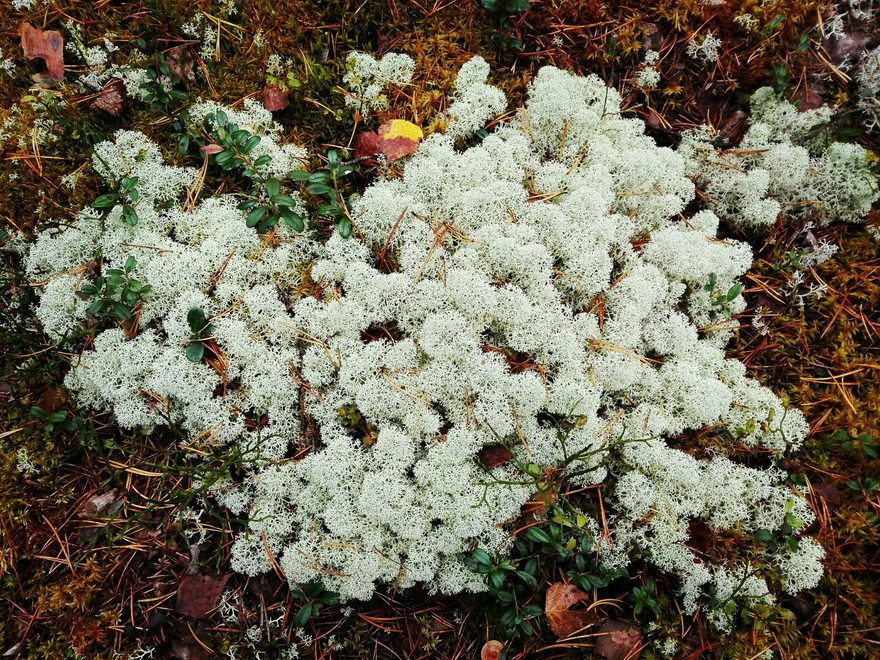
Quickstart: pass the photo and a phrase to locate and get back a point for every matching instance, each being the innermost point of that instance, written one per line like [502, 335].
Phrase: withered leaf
[562, 619]
[106, 503]
[618, 641]
[275, 98]
[701, 536]
[366, 145]
[182, 64]
[198, 595]
[112, 97]
[399, 138]
[48, 46]
[494, 456]
[826, 493]
[52, 399]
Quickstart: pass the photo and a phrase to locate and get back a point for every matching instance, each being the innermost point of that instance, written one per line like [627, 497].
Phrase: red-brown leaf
[618, 641]
[275, 98]
[48, 46]
[701, 537]
[112, 97]
[198, 595]
[494, 455]
[182, 64]
[561, 618]
[366, 145]
[398, 138]
[105, 503]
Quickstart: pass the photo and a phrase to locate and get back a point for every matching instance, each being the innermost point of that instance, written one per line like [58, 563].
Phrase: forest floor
[95, 552]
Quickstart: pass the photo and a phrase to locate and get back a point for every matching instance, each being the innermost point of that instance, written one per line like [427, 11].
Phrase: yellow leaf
[398, 128]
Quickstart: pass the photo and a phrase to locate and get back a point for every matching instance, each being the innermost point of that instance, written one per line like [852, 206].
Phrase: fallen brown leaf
[494, 455]
[182, 64]
[106, 503]
[198, 595]
[366, 145]
[275, 98]
[618, 641]
[48, 46]
[399, 138]
[562, 619]
[112, 97]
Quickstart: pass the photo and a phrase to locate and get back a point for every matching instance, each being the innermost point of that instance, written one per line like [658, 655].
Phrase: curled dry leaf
[494, 456]
[618, 641]
[399, 138]
[105, 503]
[112, 97]
[48, 46]
[275, 98]
[366, 145]
[701, 537]
[181, 63]
[198, 595]
[491, 650]
[733, 127]
[52, 399]
[562, 619]
[826, 494]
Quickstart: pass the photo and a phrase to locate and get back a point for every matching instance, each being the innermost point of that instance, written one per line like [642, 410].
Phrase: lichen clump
[541, 289]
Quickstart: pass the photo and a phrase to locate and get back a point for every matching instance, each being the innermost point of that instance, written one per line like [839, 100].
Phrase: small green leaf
[196, 319]
[764, 535]
[96, 308]
[303, 615]
[537, 535]
[496, 580]
[481, 557]
[256, 215]
[252, 142]
[223, 157]
[194, 351]
[183, 145]
[122, 312]
[130, 263]
[273, 187]
[129, 215]
[283, 200]
[103, 201]
[300, 175]
[528, 579]
[293, 220]
[319, 189]
[333, 209]
[344, 228]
